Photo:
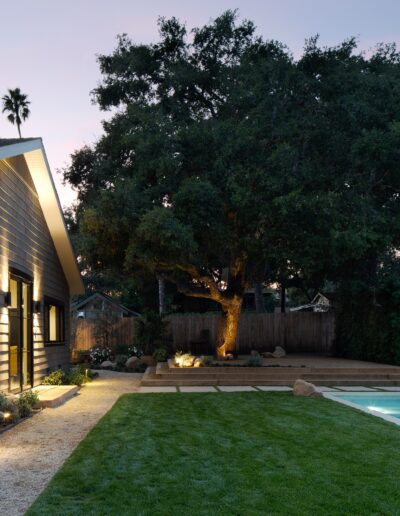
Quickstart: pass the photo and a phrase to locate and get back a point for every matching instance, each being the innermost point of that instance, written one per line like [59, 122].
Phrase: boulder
[268, 354]
[303, 388]
[279, 352]
[106, 364]
[131, 362]
[229, 356]
[254, 353]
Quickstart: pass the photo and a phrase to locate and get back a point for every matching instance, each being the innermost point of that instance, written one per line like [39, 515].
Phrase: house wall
[26, 244]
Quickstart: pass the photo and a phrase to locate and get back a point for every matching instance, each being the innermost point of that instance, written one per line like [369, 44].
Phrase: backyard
[229, 453]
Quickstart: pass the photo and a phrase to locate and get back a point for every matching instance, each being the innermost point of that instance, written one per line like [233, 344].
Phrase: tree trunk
[162, 302]
[259, 298]
[19, 130]
[283, 298]
[230, 324]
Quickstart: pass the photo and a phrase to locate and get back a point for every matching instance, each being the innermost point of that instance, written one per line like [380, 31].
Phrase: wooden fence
[295, 331]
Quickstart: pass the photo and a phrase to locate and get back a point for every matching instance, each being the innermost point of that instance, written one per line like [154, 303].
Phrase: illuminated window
[54, 322]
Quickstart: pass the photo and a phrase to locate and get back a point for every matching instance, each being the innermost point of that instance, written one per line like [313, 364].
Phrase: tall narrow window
[54, 322]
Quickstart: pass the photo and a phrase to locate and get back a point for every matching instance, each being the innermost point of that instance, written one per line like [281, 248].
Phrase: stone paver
[32, 452]
[236, 388]
[198, 388]
[144, 390]
[274, 388]
[389, 389]
[353, 388]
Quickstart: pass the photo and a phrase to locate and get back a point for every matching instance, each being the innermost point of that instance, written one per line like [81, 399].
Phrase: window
[54, 325]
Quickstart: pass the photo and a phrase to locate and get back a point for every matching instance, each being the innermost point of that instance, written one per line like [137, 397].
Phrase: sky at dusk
[48, 49]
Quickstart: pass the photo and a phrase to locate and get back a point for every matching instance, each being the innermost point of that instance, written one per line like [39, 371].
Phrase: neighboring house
[38, 269]
[98, 306]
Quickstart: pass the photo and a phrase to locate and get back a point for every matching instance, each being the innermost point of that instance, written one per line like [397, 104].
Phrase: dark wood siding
[26, 244]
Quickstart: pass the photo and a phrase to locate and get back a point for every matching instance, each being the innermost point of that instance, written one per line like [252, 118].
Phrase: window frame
[60, 322]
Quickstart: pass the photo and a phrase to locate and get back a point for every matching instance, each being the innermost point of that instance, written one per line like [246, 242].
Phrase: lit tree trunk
[258, 298]
[230, 324]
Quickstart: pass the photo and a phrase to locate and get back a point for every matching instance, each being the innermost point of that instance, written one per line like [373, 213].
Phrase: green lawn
[229, 454]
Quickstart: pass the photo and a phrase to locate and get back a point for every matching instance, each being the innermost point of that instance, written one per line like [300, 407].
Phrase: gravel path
[32, 452]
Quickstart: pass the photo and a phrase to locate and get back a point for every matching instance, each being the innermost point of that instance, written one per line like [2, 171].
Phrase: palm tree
[16, 104]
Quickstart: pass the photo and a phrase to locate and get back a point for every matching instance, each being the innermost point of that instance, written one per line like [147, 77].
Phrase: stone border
[334, 397]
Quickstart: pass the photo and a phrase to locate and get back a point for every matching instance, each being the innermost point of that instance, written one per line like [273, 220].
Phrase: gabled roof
[33, 151]
[101, 295]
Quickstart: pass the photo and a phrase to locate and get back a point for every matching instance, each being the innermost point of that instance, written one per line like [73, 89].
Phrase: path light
[6, 416]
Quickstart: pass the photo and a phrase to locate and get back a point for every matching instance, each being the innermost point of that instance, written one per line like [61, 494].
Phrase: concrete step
[55, 395]
[156, 380]
[168, 368]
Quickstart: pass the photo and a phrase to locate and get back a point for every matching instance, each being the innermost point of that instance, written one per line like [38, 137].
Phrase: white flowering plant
[99, 355]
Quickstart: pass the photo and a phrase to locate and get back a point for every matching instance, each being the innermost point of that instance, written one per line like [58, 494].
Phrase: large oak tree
[226, 162]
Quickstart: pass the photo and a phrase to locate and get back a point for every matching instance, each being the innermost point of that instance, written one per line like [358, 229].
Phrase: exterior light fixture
[36, 307]
[5, 299]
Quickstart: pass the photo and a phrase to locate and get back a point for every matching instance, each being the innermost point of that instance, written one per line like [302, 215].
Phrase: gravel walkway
[32, 452]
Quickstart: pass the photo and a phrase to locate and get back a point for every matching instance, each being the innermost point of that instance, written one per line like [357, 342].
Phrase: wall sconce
[36, 307]
[5, 299]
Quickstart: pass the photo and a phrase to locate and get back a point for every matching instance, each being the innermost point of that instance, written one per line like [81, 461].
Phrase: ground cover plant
[229, 454]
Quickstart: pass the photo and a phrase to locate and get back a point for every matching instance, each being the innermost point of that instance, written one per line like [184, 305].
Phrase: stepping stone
[197, 389]
[236, 388]
[390, 389]
[353, 388]
[143, 390]
[56, 395]
[273, 388]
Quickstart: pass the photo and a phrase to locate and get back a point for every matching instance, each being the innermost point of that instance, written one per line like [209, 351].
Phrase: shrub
[3, 401]
[99, 355]
[120, 361]
[26, 402]
[75, 378]
[57, 377]
[208, 360]
[149, 328]
[254, 362]
[140, 368]
[160, 354]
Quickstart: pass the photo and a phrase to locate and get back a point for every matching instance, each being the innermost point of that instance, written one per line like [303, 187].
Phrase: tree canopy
[227, 162]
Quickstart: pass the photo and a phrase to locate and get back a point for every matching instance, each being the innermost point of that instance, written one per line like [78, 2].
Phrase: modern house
[100, 305]
[38, 269]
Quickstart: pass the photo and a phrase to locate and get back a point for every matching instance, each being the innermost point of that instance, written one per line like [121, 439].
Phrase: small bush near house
[120, 361]
[7, 405]
[57, 377]
[75, 378]
[26, 402]
[160, 354]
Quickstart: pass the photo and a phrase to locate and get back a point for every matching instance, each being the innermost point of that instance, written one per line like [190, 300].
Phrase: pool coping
[333, 396]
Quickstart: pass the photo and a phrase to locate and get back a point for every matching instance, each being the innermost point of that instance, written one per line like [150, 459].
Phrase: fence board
[295, 331]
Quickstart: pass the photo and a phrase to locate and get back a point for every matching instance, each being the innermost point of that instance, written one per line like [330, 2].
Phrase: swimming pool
[382, 404]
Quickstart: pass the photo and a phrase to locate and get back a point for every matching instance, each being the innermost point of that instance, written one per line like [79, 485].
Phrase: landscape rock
[279, 352]
[254, 353]
[131, 362]
[229, 356]
[198, 362]
[106, 364]
[303, 388]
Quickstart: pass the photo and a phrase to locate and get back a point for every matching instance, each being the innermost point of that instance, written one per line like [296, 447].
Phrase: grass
[229, 454]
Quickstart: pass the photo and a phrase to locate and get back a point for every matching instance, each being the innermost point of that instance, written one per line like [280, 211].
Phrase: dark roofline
[76, 306]
[12, 141]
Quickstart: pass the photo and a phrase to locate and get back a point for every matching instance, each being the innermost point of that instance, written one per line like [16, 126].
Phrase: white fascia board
[36, 159]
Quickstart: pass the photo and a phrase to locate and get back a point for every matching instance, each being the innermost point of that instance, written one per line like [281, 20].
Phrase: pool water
[387, 403]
